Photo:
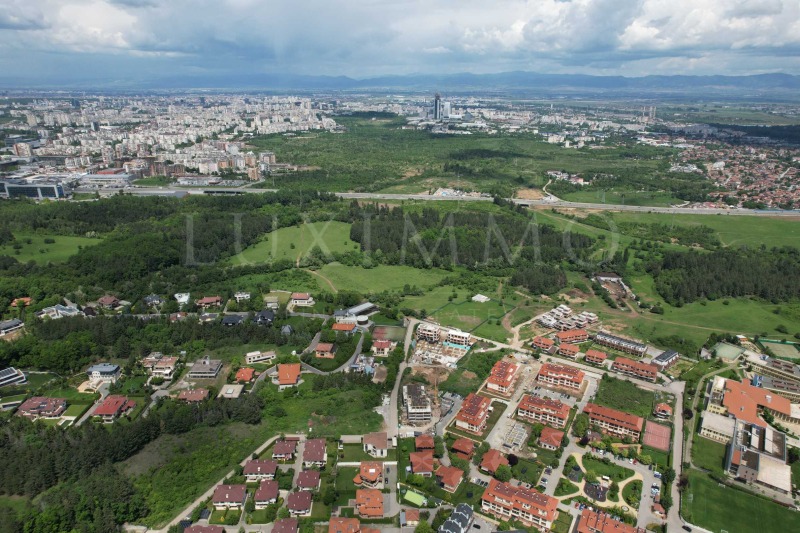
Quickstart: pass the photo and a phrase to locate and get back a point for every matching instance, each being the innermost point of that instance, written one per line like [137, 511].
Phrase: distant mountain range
[505, 82]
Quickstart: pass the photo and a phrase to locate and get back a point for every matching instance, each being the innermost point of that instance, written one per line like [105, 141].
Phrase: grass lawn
[71, 395]
[632, 493]
[77, 409]
[296, 242]
[527, 471]
[259, 516]
[468, 493]
[708, 454]
[625, 396]
[615, 472]
[344, 484]
[320, 511]
[469, 315]
[661, 459]
[565, 487]
[41, 252]
[562, 523]
[133, 385]
[355, 452]
[33, 383]
[623, 197]
[715, 507]
[380, 278]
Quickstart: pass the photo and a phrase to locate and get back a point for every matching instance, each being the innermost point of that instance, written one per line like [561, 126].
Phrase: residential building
[209, 301]
[492, 460]
[259, 470]
[193, 395]
[428, 332]
[409, 517]
[370, 474]
[424, 442]
[265, 317]
[456, 336]
[315, 453]
[620, 343]
[543, 343]
[266, 494]
[543, 410]
[284, 450]
[59, 311]
[104, 373]
[163, 367]
[340, 524]
[636, 369]
[593, 522]
[376, 444]
[529, 506]
[285, 525]
[382, 347]
[259, 357]
[108, 302]
[717, 427]
[341, 327]
[41, 407]
[241, 296]
[463, 448]
[369, 503]
[449, 477]
[299, 503]
[288, 375]
[112, 407]
[561, 376]
[570, 351]
[662, 410]
[615, 422]
[776, 368]
[550, 438]
[309, 480]
[595, 357]
[11, 376]
[502, 378]
[572, 336]
[245, 375]
[301, 299]
[421, 463]
[473, 414]
[666, 359]
[205, 368]
[460, 520]
[417, 404]
[325, 350]
[232, 320]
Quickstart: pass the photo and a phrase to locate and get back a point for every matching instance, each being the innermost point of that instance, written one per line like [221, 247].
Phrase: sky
[63, 40]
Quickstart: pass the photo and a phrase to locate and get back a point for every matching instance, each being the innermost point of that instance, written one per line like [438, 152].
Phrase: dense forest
[499, 245]
[773, 275]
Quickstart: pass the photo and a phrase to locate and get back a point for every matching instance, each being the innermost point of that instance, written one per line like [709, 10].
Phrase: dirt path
[326, 280]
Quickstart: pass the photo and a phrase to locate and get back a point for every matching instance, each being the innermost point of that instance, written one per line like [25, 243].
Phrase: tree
[581, 425]
[329, 495]
[250, 505]
[283, 512]
[423, 527]
[666, 501]
[438, 446]
[669, 475]
[503, 473]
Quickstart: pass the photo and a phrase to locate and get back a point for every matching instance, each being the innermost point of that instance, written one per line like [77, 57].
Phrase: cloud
[373, 37]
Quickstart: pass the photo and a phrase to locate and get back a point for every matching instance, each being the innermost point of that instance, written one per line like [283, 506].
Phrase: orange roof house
[289, 374]
[449, 477]
[492, 460]
[423, 442]
[245, 375]
[421, 463]
[369, 503]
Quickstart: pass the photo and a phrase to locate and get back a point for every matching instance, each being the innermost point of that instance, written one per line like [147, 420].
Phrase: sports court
[657, 436]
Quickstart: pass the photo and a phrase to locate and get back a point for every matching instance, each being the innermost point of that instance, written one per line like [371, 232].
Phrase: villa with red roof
[113, 407]
[502, 378]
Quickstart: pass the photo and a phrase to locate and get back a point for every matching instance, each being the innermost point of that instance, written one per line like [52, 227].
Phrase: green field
[380, 278]
[71, 395]
[40, 252]
[718, 508]
[600, 468]
[624, 396]
[623, 197]
[469, 315]
[708, 454]
[377, 155]
[296, 242]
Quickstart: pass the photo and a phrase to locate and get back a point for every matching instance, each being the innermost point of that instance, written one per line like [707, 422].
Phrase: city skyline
[124, 41]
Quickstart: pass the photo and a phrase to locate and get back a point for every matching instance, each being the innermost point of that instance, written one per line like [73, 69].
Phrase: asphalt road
[550, 202]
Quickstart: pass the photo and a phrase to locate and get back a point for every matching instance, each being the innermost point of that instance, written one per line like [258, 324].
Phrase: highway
[548, 202]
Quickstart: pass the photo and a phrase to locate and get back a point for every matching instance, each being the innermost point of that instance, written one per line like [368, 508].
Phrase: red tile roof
[423, 442]
[369, 503]
[245, 374]
[267, 490]
[626, 420]
[464, 446]
[308, 479]
[421, 462]
[289, 374]
[527, 501]
[315, 450]
[299, 501]
[193, 395]
[260, 466]
[449, 476]
[340, 524]
[339, 326]
[474, 409]
[114, 405]
[551, 437]
[591, 522]
[492, 459]
[285, 525]
[229, 494]
[284, 447]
